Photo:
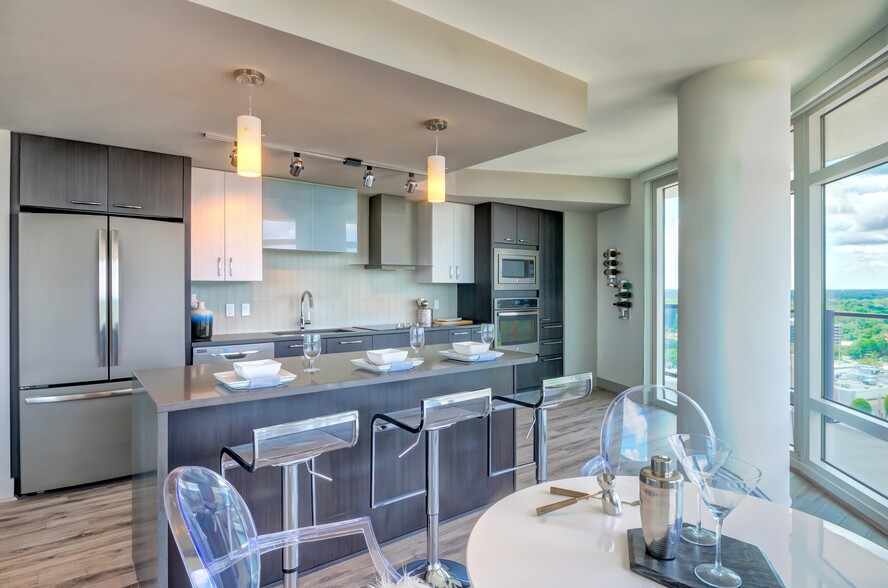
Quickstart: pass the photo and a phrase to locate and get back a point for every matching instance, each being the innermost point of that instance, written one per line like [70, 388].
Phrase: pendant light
[249, 129]
[436, 170]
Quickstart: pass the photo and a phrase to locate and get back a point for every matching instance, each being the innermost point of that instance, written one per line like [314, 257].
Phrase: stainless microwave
[516, 269]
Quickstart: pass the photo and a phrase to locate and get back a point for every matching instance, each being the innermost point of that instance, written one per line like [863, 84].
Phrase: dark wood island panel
[194, 436]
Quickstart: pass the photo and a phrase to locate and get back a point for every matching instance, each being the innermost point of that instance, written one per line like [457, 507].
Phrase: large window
[665, 195]
[841, 292]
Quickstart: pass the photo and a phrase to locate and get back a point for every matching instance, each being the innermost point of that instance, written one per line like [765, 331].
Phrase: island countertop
[175, 389]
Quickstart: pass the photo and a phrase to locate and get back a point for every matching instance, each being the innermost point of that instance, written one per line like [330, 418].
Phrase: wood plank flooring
[81, 537]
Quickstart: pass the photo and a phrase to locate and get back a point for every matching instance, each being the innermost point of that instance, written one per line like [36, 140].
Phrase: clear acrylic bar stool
[433, 415]
[287, 446]
[551, 394]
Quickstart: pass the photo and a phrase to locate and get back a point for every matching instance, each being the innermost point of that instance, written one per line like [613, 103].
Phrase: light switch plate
[436, 304]
[245, 309]
[229, 310]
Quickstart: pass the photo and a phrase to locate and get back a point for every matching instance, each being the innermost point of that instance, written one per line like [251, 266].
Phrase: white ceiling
[633, 53]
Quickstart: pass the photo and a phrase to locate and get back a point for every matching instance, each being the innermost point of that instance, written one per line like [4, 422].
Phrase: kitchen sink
[319, 331]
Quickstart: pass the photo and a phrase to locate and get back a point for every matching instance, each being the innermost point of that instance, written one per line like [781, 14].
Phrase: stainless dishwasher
[232, 353]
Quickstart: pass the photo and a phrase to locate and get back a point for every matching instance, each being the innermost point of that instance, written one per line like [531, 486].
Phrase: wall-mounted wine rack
[612, 271]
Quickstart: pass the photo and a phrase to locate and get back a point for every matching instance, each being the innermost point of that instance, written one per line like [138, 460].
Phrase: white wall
[622, 343]
[6, 483]
[580, 293]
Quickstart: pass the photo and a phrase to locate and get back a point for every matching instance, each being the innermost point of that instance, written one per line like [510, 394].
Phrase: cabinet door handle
[522, 240]
[86, 202]
[457, 272]
[508, 239]
[219, 266]
[450, 272]
[550, 342]
[549, 326]
[552, 359]
[458, 334]
[542, 320]
[230, 267]
[296, 346]
[132, 206]
[350, 342]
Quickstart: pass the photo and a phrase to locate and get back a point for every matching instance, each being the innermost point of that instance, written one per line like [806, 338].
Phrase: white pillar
[734, 155]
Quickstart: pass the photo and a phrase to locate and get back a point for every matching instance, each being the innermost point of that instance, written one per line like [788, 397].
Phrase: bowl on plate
[386, 356]
[260, 368]
[470, 347]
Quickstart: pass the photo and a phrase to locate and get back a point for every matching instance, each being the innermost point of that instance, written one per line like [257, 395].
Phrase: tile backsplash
[344, 295]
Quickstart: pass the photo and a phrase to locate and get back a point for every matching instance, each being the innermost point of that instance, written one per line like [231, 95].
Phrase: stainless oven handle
[85, 396]
[528, 313]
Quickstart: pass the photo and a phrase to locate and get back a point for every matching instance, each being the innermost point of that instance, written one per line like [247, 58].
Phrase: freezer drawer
[74, 435]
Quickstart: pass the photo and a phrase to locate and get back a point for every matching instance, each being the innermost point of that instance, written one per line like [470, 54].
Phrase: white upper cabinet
[309, 217]
[226, 227]
[445, 243]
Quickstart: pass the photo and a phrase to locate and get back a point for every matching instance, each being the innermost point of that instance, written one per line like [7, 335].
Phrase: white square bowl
[261, 368]
[470, 347]
[386, 356]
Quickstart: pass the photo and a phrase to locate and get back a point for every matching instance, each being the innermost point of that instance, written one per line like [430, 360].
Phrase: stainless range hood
[389, 249]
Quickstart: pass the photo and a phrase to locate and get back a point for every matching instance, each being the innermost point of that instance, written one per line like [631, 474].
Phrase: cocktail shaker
[661, 496]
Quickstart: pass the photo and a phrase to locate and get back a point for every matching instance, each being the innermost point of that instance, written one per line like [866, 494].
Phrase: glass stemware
[417, 339]
[718, 451]
[487, 333]
[311, 346]
[722, 487]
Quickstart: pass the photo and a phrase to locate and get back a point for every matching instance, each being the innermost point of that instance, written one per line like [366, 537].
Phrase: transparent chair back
[637, 425]
[558, 390]
[441, 412]
[296, 442]
[217, 538]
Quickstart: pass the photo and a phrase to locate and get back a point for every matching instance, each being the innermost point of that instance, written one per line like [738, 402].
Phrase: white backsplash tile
[344, 295]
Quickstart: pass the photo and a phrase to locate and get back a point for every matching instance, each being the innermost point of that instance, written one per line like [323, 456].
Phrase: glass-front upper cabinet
[303, 216]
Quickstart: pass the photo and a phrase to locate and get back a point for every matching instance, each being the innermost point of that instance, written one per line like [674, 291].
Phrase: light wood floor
[81, 537]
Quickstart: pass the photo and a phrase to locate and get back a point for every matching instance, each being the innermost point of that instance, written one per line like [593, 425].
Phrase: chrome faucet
[311, 306]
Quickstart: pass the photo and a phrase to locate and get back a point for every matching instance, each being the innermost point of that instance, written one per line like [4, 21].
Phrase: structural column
[734, 160]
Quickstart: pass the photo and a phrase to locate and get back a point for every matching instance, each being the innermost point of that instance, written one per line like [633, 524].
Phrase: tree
[863, 405]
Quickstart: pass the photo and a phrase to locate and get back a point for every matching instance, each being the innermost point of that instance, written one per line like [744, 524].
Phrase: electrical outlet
[436, 304]
[229, 310]
[245, 309]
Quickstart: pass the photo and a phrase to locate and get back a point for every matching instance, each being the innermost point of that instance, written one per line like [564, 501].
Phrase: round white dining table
[511, 546]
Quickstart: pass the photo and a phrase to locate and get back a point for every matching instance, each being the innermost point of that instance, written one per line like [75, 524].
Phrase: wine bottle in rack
[611, 272]
[623, 294]
[611, 253]
[623, 304]
[611, 262]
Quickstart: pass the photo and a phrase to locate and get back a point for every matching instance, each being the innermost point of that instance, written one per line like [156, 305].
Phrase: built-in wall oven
[517, 323]
[516, 269]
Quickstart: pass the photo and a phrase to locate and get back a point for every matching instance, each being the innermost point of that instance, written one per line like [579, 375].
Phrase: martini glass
[717, 451]
[722, 487]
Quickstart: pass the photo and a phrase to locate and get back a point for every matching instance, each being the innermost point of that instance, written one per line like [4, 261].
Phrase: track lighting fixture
[296, 165]
[436, 187]
[233, 155]
[411, 184]
[369, 177]
[249, 129]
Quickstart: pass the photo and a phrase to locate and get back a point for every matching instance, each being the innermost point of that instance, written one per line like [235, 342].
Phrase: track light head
[411, 184]
[296, 165]
[233, 155]
[369, 177]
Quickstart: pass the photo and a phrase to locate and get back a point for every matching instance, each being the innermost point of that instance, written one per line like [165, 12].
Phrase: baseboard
[609, 386]
[7, 489]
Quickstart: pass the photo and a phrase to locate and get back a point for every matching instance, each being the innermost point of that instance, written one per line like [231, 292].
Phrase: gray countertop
[268, 337]
[190, 387]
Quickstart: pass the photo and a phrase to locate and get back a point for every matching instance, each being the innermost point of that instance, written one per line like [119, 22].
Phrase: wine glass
[684, 445]
[722, 487]
[311, 346]
[487, 333]
[417, 339]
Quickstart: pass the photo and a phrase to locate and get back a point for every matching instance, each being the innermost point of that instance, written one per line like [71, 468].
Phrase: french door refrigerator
[99, 297]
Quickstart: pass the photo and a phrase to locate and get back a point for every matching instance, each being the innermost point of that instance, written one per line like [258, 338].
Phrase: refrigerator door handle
[103, 298]
[72, 397]
[115, 297]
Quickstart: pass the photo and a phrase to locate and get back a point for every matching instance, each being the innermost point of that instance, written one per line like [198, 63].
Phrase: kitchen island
[184, 416]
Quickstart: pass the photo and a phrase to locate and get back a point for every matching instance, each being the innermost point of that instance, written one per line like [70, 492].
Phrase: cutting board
[451, 323]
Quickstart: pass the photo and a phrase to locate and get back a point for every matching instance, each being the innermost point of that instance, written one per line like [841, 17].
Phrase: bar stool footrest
[451, 574]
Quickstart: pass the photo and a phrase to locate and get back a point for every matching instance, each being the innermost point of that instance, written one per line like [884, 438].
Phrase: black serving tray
[747, 560]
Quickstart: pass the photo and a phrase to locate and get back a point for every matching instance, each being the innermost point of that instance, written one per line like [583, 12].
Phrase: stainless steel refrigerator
[99, 297]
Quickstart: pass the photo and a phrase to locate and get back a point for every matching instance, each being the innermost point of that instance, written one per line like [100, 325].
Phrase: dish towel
[487, 356]
[401, 366]
[266, 382]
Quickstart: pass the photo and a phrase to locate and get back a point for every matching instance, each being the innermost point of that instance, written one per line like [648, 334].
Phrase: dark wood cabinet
[345, 344]
[462, 334]
[527, 376]
[551, 239]
[436, 336]
[391, 340]
[142, 183]
[551, 367]
[57, 173]
[291, 348]
[515, 225]
[527, 226]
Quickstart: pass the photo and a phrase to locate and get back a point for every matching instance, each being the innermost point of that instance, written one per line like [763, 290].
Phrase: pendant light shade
[249, 146]
[436, 179]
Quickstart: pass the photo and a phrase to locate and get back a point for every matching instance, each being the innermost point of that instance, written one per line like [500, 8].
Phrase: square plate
[383, 369]
[450, 354]
[235, 382]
